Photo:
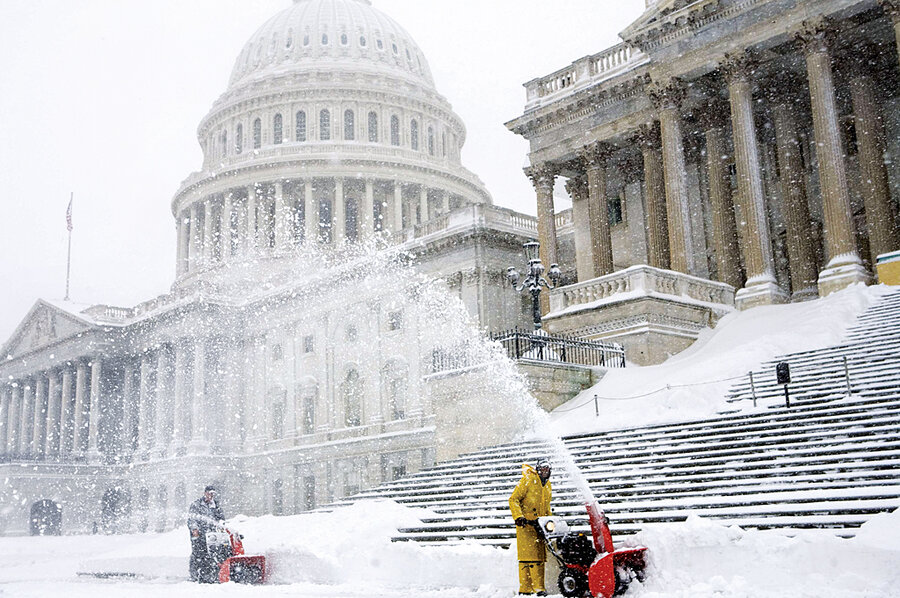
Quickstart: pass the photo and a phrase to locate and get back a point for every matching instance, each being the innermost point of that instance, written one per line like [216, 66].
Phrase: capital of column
[542, 176]
[647, 136]
[667, 94]
[577, 188]
[739, 67]
[816, 35]
[891, 8]
[595, 155]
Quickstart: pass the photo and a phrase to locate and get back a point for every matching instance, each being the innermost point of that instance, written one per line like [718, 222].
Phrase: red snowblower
[227, 550]
[591, 568]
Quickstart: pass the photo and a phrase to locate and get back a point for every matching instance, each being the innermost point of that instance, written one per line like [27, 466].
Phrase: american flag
[69, 215]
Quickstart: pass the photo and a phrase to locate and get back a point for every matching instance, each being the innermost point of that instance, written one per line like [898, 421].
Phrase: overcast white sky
[102, 98]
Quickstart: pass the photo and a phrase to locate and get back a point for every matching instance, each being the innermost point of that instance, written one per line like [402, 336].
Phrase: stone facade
[286, 363]
[757, 132]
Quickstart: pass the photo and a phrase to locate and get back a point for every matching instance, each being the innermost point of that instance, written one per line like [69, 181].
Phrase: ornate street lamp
[534, 279]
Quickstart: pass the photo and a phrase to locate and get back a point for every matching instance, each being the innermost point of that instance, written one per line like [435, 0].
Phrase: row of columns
[222, 224]
[54, 414]
[666, 190]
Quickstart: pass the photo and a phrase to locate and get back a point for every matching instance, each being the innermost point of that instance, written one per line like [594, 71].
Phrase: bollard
[753, 389]
[847, 376]
[783, 376]
[596, 407]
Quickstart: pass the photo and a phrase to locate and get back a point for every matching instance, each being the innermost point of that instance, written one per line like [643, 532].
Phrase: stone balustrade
[641, 280]
[477, 215]
[583, 72]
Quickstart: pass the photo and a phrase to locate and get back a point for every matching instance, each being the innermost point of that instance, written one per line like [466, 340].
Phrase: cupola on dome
[334, 35]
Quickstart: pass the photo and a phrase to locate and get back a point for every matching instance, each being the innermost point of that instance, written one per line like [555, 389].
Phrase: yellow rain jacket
[530, 500]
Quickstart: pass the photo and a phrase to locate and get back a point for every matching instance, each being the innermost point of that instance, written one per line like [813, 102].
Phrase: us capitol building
[727, 154]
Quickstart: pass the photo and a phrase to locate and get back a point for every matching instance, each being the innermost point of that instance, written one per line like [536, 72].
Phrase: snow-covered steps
[830, 461]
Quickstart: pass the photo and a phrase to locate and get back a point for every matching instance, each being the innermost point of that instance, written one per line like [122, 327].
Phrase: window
[395, 130]
[308, 396]
[309, 344]
[290, 39]
[615, 210]
[373, 127]
[257, 134]
[324, 125]
[349, 125]
[414, 134]
[277, 129]
[239, 139]
[431, 141]
[224, 143]
[344, 39]
[301, 126]
[277, 353]
[306, 40]
[362, 41]
[394, 48]
[352, 333]
[394, 377]
[324, 39]
[395, 320]
[352, 392]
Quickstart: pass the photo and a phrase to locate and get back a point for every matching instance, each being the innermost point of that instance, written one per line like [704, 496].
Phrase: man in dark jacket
[203, 516]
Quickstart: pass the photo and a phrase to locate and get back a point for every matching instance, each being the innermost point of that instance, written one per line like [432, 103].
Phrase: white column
[51, 434]
[78, 437]
[162, 406]
[225, 228]
[12, 419]
[195, 240]
[144, 405]
[178, 410]
[40, 414]
[65, 412]
[180, 234]
[282, 215]
[26, 415]
[208, 241]
[310, 213]
[199, 441]
[366, 216]
[398, 207]
[96, 410]
[423, 204]
[251, 232]
[129, 415]
[4, 417]
[339, 220]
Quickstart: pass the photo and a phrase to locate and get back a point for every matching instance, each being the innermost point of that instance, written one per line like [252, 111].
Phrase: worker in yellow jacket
[530, 500]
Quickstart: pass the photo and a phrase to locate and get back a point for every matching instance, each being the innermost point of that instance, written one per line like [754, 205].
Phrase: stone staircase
[830, 461]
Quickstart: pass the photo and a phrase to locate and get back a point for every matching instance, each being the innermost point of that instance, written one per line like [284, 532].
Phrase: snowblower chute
[591, 567]
[227, 550]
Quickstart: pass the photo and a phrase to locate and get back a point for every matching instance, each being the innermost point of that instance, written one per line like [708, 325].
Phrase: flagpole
[69, 256]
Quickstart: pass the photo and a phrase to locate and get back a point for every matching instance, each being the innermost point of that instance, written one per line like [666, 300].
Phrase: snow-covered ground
[348, 552]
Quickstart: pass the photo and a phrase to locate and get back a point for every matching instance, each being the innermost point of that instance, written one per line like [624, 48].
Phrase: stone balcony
[653, 313]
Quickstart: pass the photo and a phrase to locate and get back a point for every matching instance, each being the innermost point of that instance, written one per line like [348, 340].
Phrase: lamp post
[534, 279]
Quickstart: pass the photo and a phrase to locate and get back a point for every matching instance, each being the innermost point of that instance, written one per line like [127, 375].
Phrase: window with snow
[373, 127]
[301, 126]
[395, 130]
[324, 125]
[257, 134]
[239, 139]
[277, 129]
[349, 125]
[414, 134]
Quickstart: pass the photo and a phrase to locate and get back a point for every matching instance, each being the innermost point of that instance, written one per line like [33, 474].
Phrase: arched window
[373, 127]
[224, 143]
[301, 126]
[414, 134]
[277, 401]
[352, 393]
[324, 125]
[349, 125]
[277, 129]
[362, 41]
[306, 40]
[324, 39]
[431, 141]
[239, 139]
[290, 39]
[344, 39]
[394, 377]
[395, 130]
[257, 134]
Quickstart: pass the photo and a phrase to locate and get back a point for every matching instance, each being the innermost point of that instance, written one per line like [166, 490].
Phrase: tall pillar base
[761, 292]
[839, 274]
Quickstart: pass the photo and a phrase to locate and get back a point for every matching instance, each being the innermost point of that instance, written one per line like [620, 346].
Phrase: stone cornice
[658, 28]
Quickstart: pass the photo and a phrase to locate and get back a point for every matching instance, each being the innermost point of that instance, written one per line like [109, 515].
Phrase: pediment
[44, 325]
[666, 14]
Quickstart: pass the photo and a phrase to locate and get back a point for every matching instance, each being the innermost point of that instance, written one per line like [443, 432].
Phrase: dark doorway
[46, 518]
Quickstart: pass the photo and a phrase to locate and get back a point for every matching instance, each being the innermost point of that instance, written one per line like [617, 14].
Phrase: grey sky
[103, 98]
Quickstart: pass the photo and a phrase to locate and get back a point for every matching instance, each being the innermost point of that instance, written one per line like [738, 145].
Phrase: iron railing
[520, 344]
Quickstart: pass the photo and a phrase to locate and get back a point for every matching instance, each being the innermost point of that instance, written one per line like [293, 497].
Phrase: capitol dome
[344, 34]
[329, 132]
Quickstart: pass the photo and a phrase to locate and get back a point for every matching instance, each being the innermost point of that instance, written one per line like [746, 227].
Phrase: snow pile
[348, 553]
[692, 384]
